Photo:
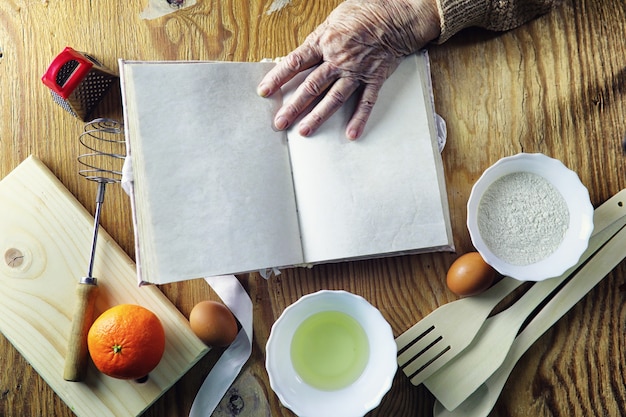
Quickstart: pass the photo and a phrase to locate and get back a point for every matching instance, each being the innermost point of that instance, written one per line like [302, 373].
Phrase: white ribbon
[224, 372]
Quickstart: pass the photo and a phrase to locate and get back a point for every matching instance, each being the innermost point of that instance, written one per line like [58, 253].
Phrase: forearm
[496, 15]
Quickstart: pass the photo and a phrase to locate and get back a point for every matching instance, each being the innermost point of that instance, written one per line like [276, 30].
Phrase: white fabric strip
[221, 377]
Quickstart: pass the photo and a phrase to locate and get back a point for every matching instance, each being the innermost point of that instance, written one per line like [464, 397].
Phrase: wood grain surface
[556, 86]
[47, 231]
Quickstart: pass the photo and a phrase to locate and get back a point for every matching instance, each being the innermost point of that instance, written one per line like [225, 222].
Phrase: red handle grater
[78, 82]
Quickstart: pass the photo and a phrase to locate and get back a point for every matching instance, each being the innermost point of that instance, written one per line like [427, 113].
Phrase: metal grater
[78, 82]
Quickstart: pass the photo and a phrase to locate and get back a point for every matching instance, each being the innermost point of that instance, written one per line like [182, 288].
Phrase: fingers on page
[313, 86]
[336, 97]
[300, 59]
[362, 112]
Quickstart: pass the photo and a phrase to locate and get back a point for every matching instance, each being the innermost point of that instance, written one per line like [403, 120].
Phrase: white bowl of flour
[530, 217]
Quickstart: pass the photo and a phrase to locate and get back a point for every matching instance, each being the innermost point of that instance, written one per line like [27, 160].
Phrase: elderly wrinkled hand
[354, 51]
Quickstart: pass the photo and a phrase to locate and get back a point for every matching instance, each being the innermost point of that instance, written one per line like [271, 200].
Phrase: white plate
[354, 400]
[576, 196]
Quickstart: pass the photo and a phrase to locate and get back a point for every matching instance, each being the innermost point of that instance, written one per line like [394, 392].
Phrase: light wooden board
[45, 239]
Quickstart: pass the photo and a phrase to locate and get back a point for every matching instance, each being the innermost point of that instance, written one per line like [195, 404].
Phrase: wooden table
[556, 86]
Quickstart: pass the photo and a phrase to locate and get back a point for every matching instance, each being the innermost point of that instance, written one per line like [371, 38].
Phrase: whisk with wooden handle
[102, 164]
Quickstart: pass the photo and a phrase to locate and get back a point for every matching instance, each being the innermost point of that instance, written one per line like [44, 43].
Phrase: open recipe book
[218, 191]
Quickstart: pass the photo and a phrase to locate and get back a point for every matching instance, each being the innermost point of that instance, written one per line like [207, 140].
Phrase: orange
[126, 341]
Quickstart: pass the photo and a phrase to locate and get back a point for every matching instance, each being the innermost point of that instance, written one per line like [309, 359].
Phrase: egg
[213, 323]
[470, 275]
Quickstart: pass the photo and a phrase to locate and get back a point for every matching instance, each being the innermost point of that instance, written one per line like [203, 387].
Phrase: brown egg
[213, 323]
[470, 275]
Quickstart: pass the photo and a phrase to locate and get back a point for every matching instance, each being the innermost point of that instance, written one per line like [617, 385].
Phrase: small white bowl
[576, 237]
[354, 400]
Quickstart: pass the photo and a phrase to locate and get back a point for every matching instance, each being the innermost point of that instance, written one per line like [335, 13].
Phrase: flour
[522, 218]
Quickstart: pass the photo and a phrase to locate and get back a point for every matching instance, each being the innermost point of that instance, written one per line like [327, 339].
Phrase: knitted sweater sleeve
[499, 15]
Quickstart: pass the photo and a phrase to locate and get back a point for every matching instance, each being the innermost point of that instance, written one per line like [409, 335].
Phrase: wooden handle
[76, 356]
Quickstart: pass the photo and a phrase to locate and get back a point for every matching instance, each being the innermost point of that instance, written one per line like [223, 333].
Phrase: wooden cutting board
[45, 238]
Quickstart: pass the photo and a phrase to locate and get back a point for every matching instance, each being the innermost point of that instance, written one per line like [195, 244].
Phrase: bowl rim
[305, 400]
[576, 239]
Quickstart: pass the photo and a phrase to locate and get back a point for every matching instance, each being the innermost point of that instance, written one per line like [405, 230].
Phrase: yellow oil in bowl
[329, 350]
